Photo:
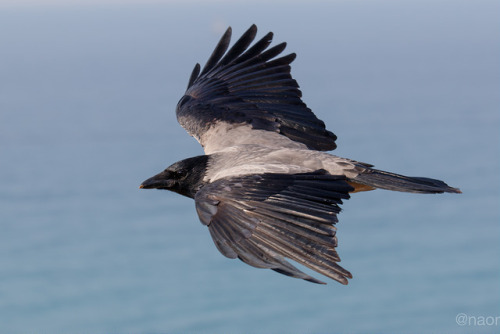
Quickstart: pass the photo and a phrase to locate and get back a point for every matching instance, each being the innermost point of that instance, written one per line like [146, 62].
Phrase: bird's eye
[179, 174]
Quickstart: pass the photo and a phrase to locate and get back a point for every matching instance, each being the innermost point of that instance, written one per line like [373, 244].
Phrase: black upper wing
[249, 86]
[263, 219]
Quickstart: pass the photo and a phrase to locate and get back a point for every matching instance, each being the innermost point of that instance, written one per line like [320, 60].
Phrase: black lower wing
[263, 219]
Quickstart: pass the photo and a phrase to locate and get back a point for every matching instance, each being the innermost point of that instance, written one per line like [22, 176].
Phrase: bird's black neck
[196, 169]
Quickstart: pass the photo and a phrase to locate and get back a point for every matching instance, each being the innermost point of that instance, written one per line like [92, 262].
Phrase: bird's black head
[184, 177]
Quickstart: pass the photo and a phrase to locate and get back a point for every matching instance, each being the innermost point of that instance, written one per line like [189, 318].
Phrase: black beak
[159, 181]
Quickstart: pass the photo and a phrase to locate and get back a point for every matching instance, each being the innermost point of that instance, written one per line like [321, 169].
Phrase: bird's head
[184, 177]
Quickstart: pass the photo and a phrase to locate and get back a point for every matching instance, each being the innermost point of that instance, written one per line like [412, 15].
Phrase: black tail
[390, 181]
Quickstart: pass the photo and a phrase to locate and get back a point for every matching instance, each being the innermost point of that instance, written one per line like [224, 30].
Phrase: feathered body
[266, 188]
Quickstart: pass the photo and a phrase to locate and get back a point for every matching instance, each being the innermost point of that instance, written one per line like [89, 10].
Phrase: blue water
[87, 98]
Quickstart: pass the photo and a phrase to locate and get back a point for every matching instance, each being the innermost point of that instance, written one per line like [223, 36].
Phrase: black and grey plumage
[266, 188]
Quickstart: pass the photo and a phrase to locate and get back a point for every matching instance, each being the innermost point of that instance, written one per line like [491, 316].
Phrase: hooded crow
[266, 188]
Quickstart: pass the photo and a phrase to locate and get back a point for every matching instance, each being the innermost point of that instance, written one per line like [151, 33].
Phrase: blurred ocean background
[87, 112]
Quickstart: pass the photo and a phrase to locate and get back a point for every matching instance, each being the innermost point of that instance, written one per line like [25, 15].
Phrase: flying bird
[265, 188]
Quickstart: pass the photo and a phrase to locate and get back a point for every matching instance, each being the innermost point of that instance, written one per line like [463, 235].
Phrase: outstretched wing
[249, 90]
[263, 219]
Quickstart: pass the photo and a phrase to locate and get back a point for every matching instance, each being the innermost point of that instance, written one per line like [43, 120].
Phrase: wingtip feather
[194, 75]
[219, 51]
